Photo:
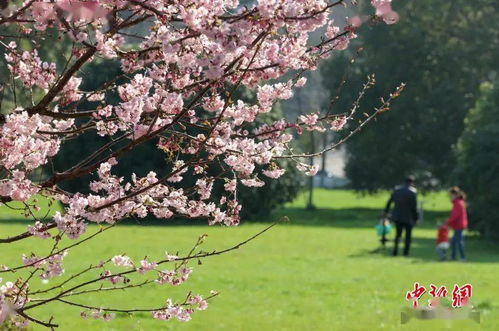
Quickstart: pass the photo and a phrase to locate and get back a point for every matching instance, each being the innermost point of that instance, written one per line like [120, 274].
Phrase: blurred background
[444, 127]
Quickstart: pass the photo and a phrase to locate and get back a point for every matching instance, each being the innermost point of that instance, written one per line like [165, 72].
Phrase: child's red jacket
[442, 234]
[458, 219]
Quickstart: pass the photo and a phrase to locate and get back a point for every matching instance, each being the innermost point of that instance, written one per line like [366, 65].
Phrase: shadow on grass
[423, 250]
[347, 218]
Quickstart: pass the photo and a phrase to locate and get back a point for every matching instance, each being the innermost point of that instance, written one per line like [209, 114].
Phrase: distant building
[334, 174]
[325, 179]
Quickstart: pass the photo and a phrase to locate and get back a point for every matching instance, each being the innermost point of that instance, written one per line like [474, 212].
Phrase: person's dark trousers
[408, 232]
[457, 244]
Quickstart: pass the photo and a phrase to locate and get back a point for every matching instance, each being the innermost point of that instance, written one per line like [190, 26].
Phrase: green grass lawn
[317, 272]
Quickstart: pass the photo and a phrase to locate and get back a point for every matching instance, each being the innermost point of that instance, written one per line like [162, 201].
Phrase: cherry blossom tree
[177, 90]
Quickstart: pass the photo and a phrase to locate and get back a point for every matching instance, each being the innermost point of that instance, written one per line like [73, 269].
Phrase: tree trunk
[310, 204]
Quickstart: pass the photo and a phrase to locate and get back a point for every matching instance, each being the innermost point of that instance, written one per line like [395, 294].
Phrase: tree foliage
[442, 54]
[478, 161]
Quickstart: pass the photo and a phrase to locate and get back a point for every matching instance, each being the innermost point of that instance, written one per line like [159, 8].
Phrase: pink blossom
[312, 171]
[274, 173]
[310, 119]
[354, 22]
[301, 82]
[391, 17]
[53, 269]
[382, 6]
[82, 10]
[230, 185]
[42, 12]
[122, 261]
[146, 266]
[17, 187]
[384, 10]
[338, 123]
[267, 94]
[197, 301]
[173, 277]
[51, 266]
[70, 92]
[5, 310]
[32, 261]
[252, 182]
[170, 257]
[113, 279]
[204, 188]
[29, 68]
[38, 230]
[20, 143]
[173, 310]
[307, 169]
[96, 97]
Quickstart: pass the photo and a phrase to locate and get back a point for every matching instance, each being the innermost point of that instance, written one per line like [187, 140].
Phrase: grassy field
[317, 272]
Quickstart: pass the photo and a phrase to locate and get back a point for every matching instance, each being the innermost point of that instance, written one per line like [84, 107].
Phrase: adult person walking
[405, 213]
[458, 220]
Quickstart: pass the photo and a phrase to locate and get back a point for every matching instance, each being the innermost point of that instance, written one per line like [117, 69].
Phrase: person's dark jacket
[405, 210]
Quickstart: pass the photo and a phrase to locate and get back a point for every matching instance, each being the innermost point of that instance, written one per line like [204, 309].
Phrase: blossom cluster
[179, 312]
[29, 68]
[50, 267]
[12, 297]
[384, 11]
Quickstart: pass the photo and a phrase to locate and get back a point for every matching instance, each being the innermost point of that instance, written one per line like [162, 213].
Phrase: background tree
[478, 161]
[442, 54]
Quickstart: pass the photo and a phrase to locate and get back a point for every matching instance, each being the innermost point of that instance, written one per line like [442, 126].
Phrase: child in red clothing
[442, 242]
